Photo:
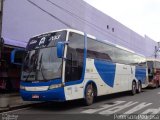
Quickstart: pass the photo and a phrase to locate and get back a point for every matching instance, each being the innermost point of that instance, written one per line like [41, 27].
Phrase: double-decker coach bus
[68, 64]
[153, 72]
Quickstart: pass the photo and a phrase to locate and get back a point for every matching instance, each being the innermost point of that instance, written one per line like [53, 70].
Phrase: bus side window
[74, 61]
[98, 50]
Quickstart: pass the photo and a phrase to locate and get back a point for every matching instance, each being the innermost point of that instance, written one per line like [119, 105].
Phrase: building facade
[25, 18]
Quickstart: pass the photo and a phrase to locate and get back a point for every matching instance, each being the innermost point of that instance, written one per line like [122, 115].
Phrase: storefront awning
[12, 42]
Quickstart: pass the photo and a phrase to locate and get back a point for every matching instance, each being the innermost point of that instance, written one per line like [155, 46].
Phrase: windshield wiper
[32, 68]
[30, 72]
[41, 68]
[28, 75]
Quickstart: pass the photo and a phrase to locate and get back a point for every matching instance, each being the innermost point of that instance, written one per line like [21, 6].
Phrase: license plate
[35, 96]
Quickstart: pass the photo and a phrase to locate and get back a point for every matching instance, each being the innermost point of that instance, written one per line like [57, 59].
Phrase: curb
[6, 109]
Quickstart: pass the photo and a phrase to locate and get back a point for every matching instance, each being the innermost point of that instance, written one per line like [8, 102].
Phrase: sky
[142, 16]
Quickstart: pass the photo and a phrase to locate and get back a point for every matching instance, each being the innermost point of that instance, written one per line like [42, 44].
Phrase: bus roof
[153, 59]
[93, 37]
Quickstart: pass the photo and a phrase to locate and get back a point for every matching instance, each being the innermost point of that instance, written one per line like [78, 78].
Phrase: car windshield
[42, 64]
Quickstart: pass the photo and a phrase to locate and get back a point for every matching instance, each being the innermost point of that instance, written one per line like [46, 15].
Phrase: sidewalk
[12, 101]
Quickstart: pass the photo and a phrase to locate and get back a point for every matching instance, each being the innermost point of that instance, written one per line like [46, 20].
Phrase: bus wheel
[139, 87]
[89, 95]
[134, 88]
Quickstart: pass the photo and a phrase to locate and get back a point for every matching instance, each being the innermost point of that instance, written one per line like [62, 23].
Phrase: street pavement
[145, 105]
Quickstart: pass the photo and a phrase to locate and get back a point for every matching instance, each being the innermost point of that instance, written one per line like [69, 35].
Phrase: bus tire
[89, 94]
[139, 89]
[134, 88]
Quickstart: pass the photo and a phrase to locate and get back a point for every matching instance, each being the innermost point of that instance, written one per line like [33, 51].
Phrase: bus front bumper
[48, 95]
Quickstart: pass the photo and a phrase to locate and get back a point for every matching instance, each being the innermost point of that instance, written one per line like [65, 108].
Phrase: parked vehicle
[153, 72]
[68, 64]
[9, 72]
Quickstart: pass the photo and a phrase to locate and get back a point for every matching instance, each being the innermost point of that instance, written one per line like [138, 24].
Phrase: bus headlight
[55, 86]
[22, 87]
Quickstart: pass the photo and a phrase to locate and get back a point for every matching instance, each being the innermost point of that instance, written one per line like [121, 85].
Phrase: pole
[1, 40]
[155, 52]
[2, 1]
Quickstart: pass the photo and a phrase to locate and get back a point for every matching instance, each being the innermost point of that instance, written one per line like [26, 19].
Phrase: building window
[107, 26]
[112, 29]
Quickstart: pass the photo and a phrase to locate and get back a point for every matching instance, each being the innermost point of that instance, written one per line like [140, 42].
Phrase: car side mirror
[17, 56]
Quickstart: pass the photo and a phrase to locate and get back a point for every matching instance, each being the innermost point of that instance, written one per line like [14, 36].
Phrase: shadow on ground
[69, 105]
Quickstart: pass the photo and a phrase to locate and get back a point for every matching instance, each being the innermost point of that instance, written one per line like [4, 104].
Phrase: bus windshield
[41, 62]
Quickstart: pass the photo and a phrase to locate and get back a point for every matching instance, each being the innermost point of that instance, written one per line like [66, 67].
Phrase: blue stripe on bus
[140, 73]
[106, 70]
[49, 95]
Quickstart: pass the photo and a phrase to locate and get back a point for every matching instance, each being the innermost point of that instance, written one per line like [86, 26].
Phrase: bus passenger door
[74, 67]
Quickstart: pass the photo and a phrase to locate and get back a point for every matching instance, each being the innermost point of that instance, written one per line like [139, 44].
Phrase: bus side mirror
[17, 56]
[60, 49]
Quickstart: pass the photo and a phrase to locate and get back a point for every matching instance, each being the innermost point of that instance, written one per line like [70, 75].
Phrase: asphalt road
[116, 106]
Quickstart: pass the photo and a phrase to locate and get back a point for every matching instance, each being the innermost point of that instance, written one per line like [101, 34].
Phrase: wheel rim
[139, 87]
[134, 88]
[89, 95]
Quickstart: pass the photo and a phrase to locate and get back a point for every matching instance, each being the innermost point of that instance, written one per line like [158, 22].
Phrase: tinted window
[126, 57]
[19, 55]
[98, 50]
[75, 53]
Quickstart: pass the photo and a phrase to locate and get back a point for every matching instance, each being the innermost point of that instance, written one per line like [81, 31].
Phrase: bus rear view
[153, 72]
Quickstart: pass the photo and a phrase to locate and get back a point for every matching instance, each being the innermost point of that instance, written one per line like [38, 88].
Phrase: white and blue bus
[68, 64]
